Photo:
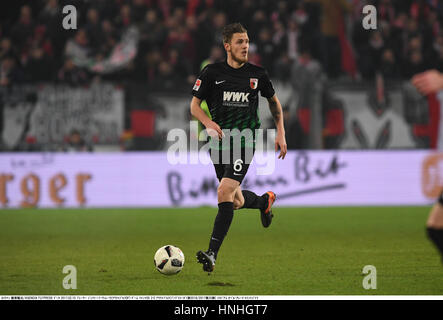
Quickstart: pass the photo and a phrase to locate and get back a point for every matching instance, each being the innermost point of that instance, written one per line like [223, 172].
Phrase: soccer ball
[169, 260]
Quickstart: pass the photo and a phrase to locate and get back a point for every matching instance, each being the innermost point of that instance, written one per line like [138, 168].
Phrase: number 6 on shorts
[238, 165]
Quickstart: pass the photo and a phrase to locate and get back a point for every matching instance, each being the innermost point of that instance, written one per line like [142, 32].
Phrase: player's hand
[428, 82]
[214, 130]
[280, 143]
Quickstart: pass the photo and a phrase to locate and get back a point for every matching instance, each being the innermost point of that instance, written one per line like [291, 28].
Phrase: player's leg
[239, 200]
[250, 200]
[435, 219]
[225, 193]
[434, 225]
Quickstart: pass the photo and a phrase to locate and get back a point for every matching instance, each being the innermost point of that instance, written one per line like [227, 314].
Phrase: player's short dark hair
[230, 29]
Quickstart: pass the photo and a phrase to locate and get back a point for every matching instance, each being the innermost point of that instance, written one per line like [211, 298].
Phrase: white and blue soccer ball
[169, 260]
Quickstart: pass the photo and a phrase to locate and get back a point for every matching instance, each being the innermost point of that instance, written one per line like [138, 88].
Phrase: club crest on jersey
[253, 82]
[197, 84]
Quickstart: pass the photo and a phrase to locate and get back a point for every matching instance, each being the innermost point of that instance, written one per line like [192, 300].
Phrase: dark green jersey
[232, 94]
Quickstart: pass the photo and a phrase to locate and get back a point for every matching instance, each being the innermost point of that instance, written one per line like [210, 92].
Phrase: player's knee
[435, 219]
[225, 193]
[238, 203]
[222, 192]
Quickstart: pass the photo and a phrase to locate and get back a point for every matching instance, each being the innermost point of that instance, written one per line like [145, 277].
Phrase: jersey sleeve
[266, 87]
[201, 86]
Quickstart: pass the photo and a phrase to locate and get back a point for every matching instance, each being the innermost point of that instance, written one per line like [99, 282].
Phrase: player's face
[238, 47]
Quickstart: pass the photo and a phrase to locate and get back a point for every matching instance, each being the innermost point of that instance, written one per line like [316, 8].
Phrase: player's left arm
[277, 113]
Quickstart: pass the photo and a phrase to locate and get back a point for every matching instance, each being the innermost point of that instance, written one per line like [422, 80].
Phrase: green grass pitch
[306, 251]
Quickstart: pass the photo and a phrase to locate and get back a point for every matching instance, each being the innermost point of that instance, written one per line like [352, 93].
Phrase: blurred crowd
[177, 37]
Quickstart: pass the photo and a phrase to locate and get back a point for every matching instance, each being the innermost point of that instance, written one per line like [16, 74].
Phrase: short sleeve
[266, 87]
[201, 85]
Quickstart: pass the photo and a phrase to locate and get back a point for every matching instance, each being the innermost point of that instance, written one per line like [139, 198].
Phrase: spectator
[245, 12]
[50, 19]
[300, 15]
[291, 39]
[419, 11]
[386, 11]
[41, 40]
[278, 35]
[93, 28]
[281, 12]
[9, 72]
[253, 55]
[138, 10]
[23, 29]
[307, 82]
[218, 22]
[259, 21]
[430, 32]
[412, 30]
[414, 44]
[332, 16]
[71, 75]
[78, 49]
[153, 32]
[192, 28]
[38, 68]
[180, 39]
[193, 31]
[124, 18]
[76, 143]
[415, 64]
[167, 79]
[392, 38]
[181, 66]
[376, 45]
[107, 9]
[50, 13]
[388, 65]
[386, 31]
[108, 37]
[217, 55]
[369, 55]
[6, 48]
[149, 69]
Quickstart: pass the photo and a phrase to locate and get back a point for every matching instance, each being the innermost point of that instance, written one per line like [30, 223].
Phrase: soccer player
[431, 82]
[231, 89]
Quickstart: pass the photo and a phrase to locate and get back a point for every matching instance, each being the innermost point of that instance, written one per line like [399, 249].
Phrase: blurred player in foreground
[231, 89]
[427, 83]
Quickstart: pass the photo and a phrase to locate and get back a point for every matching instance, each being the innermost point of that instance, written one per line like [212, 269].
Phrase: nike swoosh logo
[218, 82]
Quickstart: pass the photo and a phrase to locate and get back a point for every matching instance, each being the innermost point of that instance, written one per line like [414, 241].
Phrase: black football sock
[252, 200]
[436, 235]
[221, 225]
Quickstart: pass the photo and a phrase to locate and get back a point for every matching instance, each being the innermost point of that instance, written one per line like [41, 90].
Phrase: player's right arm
[428, 82]
[212, 127]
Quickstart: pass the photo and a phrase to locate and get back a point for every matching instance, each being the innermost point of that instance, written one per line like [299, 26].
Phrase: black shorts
[232, 164]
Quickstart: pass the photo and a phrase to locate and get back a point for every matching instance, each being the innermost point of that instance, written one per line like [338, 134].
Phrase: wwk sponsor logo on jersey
[235, 99]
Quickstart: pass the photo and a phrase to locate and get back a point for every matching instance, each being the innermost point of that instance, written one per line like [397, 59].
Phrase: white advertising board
[148, 179]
